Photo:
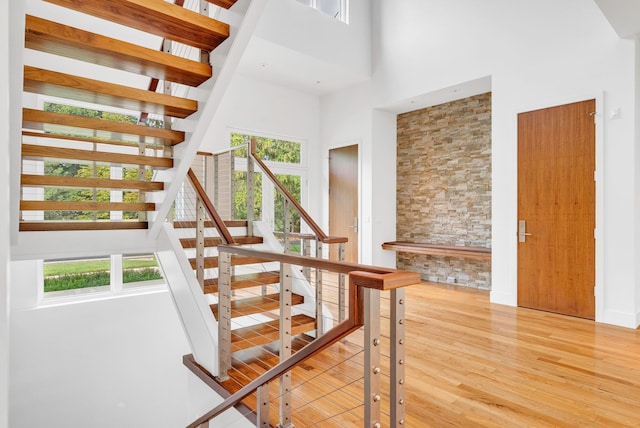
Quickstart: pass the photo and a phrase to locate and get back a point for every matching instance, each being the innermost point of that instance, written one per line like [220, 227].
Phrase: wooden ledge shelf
[480, 253]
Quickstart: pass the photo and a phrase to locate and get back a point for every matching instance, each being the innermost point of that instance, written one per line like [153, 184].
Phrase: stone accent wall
[444, 187]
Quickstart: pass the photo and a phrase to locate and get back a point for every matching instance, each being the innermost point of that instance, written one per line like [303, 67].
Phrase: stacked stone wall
[444, 187]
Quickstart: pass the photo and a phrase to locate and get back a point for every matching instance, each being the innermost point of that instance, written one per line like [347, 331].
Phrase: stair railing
[320, 237]
[365, 285]
[203, 212]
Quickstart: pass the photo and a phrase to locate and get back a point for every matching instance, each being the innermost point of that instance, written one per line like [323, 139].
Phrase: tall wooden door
[556, 209]
[343, 198]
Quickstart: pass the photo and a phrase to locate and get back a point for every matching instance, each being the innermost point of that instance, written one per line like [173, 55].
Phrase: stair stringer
[200, 327]
[185, 153]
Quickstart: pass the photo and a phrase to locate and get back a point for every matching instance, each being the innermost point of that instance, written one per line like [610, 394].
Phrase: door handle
[522, 231]
[355, 224]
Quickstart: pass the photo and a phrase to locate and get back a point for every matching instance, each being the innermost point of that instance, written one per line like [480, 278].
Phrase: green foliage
[78, 195]
[269, 149]
[97, 279]
[240, 197]
[76, 267]
[72, 282]
[292, 184]
[85, 112]
[95, 265]
[139, 275]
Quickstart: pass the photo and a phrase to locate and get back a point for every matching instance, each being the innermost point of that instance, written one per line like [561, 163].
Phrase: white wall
[4, 216]
[107, 363]
[270, 110]
[538, 54]
[637, 182]
[292, 25]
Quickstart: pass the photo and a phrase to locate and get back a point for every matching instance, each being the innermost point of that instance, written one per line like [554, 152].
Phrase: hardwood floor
[472, 363]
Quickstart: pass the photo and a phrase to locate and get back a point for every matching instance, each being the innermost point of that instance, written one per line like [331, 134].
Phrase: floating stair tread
[192, 224]
[36, 119]
[125, 143]
[52, 83]
[247, 337]
[39, 152]
[223, 3]
[212, 262]
[215, 241]
[43, 226]
[58, 39]
[85, 206]
[89, 183]
[244, 281]
[161, 18]
[258, 304]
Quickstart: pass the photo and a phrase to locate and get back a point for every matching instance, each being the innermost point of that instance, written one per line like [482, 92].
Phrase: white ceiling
[276, 64]
[623, 15]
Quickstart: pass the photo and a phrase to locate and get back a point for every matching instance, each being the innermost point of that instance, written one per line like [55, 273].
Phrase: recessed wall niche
[444, 187]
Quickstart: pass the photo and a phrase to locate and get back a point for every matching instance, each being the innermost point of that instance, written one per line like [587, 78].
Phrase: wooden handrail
[322, 237]
[360, 276]
[226, 236]
[312, 262]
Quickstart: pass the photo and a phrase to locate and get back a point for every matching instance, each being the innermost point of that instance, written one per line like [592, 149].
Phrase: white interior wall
[4, 217]
[637, 182]
[538, 54]
[292, 25]
[115, 362]
[266, 109]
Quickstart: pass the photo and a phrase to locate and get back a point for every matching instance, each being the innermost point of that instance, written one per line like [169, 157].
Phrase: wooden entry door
[343, 199]
[556, 209]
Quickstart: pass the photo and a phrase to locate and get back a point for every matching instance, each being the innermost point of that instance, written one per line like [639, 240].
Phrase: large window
[285, 159]
[113, 275]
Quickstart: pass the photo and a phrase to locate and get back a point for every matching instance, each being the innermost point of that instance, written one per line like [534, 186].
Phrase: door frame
[599, 182]
[356, 142]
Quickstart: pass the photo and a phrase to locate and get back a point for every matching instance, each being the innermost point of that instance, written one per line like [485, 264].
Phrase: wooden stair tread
[260, 334]
[47, 82]
[43, 226]
[85, 206]
[212, 262]
[36, 151]
[244, 281]
[36, 119]
[258, 304]
[52, 136]
[215, 241]
[57, 39]
[89, 183]
[191, 224]
[223, 3]
[156, 17]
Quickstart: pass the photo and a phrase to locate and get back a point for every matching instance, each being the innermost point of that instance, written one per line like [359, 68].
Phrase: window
[70, 277]
[334, 8]
[106, 275]
[285, 159]
[140, 270]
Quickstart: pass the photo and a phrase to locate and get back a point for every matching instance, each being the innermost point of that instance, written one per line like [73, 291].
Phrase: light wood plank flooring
[472, 363]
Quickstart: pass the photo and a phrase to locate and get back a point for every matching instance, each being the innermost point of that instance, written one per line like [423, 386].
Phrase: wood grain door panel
[556, 199]
[343, 199]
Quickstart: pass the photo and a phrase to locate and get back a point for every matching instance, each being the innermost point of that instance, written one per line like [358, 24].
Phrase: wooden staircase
[59, 137]
[254, 293]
